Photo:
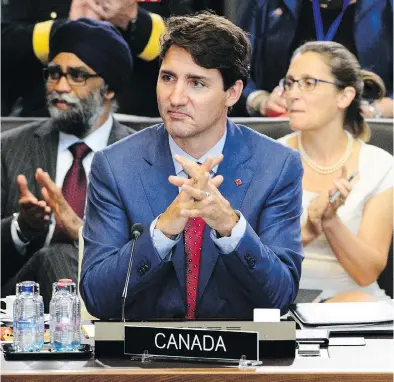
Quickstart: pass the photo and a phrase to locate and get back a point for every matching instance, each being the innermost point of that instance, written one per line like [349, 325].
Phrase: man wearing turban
[45, 165]
[27, 24]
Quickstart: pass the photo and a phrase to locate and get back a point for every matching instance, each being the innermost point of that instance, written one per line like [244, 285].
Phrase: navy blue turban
[99, 45]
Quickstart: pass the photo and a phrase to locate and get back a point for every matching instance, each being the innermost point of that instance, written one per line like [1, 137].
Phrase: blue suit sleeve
[107, 246]
[267, 261]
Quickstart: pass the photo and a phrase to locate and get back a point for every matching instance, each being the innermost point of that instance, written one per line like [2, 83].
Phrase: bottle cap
[27, 288]
[65, 281]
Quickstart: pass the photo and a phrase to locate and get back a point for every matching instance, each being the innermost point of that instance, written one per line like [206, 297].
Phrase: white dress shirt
[226, 245]
[96, 141]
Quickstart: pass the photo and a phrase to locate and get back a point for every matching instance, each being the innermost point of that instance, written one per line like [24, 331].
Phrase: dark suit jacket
[23, 150]
[129, 184]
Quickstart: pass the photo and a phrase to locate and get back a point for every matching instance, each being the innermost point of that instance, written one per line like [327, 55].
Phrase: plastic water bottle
[27, 328]
[65, 311]
[40, 302]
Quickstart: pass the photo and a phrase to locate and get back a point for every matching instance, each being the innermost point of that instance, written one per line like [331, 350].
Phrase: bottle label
[25, 324]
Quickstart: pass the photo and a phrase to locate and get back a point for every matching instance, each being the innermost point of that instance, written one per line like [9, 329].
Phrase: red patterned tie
[74, 185]
[193, 235]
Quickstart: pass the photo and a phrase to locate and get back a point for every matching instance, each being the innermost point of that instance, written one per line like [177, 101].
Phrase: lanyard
[319, 23]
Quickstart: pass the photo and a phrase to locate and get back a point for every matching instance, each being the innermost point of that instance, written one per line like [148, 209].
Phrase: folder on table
[343, 314]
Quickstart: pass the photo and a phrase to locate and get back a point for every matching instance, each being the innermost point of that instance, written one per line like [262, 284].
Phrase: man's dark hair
[213, 42]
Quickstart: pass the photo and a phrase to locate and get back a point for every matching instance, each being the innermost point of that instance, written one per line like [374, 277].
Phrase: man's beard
[80, 119]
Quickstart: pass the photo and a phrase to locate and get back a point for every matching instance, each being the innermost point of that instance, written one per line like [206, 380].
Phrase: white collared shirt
[96, 141]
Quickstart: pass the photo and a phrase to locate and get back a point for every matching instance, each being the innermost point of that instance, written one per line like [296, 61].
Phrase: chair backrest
[382, 135]
[385, 279]
[85, 315]
[274, 128]
[382, 129]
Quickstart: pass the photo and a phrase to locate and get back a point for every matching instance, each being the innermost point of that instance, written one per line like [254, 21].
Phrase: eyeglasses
[75, 77]
[304, 83]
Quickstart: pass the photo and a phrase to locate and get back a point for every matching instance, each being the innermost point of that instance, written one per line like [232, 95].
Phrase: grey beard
[80, 119]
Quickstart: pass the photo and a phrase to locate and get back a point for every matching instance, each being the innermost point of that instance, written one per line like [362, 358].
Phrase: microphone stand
[136, 234]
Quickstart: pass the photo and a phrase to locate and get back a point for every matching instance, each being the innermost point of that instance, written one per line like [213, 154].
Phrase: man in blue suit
[220, 203]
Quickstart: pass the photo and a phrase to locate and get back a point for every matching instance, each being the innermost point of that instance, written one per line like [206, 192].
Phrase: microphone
[136, 231]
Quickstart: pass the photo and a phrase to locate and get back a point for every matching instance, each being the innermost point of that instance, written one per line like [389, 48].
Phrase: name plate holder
[192, 344]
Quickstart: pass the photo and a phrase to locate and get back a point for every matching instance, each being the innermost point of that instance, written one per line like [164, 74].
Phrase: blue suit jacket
[129, 184]
[272, 33]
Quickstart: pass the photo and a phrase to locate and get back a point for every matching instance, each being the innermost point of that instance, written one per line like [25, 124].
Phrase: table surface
[372, 362]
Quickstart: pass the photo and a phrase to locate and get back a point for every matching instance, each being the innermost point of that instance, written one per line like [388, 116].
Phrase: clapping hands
[320, 210]
[199, 197]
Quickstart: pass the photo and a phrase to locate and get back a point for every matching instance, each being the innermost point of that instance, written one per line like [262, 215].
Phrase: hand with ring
[211, 206]
[171, 222]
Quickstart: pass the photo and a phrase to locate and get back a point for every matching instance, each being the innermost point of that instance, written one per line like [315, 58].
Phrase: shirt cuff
[19, 244]
[161, 242]
[250, 100]
[51, 231]
[228, 244]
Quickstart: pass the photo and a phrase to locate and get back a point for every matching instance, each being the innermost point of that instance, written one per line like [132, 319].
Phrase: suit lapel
[237, 176]
[235, 166]
[45, 152]
[160, 193]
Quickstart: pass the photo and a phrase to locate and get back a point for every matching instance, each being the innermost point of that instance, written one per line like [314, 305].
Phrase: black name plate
[191, 343]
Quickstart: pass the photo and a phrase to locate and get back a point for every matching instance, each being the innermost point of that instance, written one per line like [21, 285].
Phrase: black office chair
[385, 280]
[382, 136]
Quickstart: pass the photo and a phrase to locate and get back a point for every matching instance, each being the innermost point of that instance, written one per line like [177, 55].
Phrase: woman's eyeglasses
[75, 77]
[304, 83]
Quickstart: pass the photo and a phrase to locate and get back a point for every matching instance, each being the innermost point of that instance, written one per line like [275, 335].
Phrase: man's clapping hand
[34, 215]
